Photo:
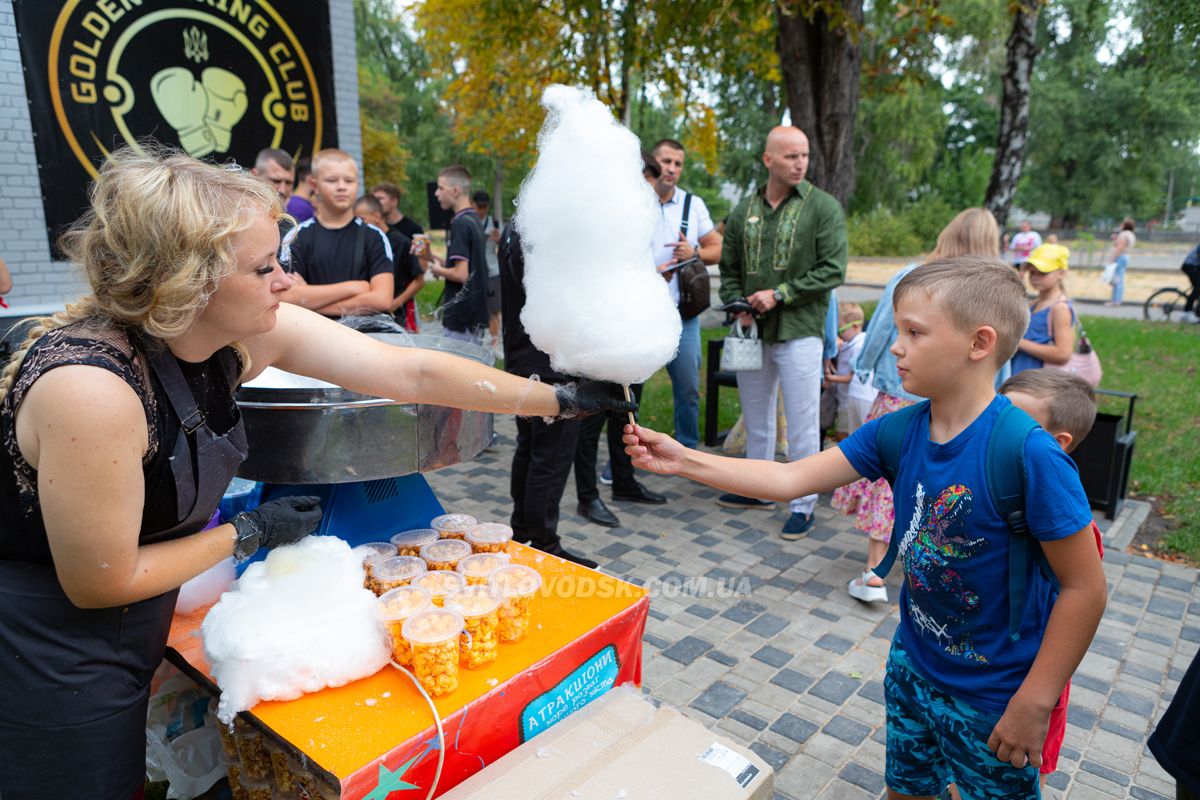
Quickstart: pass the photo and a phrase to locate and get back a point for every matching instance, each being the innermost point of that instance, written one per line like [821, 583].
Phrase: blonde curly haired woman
[120, 434]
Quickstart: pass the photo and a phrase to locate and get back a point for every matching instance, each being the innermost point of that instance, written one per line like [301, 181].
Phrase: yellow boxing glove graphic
[183, 103]
[227, 102]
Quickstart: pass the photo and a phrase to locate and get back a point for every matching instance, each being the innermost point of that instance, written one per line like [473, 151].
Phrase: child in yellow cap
[1050, 337]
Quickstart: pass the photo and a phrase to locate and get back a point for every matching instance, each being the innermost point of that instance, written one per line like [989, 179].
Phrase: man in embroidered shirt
[464, 300]
[669, 247]
[785, 249]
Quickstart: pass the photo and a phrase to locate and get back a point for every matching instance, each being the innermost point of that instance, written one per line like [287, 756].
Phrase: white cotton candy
[295, 623]
[594, 301]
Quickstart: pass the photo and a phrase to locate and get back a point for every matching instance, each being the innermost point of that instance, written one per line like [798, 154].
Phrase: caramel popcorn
[234, 774]
[390, 573]
[517, 584]
[479, 607]
[281, 765]
[489, 537]
[257, 790]
[396, 606]
[409, 543]
[453, 526]
[440, 583]
[433, 635]
[476, 568]
[369, 553]
[228, 745]
[256, 763]
[445, 553]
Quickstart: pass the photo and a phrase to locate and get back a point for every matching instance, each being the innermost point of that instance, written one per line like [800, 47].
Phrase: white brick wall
[40, 284]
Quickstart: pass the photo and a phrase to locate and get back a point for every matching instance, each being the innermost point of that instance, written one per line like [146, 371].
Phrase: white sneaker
[861, 590]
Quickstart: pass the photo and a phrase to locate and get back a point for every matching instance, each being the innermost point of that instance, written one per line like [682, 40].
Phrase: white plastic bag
[1110, 272]
[179, 747]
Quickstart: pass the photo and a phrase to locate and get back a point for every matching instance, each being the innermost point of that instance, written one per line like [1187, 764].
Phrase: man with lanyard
[785, 249]
[684, 231]
[464, 300]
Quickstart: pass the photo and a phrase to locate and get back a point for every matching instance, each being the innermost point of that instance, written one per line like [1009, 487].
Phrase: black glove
[286, 520]
[591, 397]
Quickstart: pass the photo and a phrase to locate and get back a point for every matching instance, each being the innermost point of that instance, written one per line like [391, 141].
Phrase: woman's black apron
[75, 683]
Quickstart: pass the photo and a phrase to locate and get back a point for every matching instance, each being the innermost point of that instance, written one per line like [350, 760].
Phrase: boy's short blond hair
[850, 312]
[327, 155]
[1069, 399]
[974, 291]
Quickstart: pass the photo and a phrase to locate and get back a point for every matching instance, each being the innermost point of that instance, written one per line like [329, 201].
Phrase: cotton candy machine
[362, 455]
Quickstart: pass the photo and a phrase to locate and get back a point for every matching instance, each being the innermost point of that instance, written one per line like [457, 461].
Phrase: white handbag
[742, 350]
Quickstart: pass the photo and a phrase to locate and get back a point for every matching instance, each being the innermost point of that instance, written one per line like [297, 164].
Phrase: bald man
[785, 249]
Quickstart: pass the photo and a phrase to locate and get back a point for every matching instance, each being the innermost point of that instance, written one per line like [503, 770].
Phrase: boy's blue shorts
[934, 739]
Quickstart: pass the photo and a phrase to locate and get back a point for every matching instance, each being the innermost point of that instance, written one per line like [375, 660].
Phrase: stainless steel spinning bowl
[305, 431]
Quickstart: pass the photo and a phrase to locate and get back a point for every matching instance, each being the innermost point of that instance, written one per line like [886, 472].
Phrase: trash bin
[1105, 456]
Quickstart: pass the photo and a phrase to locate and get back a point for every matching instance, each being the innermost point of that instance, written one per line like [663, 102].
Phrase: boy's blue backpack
[1006, 479]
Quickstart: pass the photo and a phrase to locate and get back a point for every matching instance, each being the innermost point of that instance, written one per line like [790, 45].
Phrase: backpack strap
[889, 439]
[687, 207]
[360, 247]
[1006, 483]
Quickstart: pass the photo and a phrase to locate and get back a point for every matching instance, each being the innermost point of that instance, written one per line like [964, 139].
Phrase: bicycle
[1165, 305]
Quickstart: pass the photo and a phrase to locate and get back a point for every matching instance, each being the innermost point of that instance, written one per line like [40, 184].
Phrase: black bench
[714, 380]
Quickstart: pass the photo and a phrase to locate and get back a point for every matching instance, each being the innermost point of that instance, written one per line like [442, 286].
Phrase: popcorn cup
[283, 766]
[445, 553]
[252, 752]
[234, 774]
[479, 607]
[440, 583]
[255, 789]
[409, 543]
[228, 743]
[369, 553]
[453, 526]
[392, 609]
[433, 635]
[489, 537]
[476, 568]
[517, 584]
[388, 573]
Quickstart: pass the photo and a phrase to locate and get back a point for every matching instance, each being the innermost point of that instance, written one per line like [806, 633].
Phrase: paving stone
[1088, 682]
[767, 625]
[817, 588]
[817, 612]
[701, 611]
[687, 649]
[721, 657]
[1104, 772]
[873, 691]
[1117, 728]
[1082, 717]
[706, 540]
[746, 718]
[718, 699]
[614, 550]
[743, 612]
[862, 777]
[1190, 633]
[656, 641]
[834, 688]
[847, 730]
[773, 656]
[792, 680]
[1107, 647]
[1131, 703]
[834, 644]
[795, 728]
[776, 758]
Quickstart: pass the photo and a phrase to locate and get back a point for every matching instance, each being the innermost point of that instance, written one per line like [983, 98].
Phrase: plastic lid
[374, 550]
[432, 626]
[489, 533]
[440, 582]
[418, 537]
[474, 601]
[453, 522]
[480, 565]
[398, 568]
[402, 602]
[249, 783]
[516, 580]
[445, 550]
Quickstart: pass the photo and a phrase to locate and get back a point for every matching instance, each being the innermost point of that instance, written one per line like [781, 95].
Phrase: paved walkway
[757, 638]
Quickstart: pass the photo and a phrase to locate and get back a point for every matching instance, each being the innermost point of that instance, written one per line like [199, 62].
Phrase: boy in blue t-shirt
[965, 702]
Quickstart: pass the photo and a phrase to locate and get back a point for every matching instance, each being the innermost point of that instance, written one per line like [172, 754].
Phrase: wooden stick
[629, 399]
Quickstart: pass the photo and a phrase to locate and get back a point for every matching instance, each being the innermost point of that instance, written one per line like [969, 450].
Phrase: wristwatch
[778, 295]
[249, 536]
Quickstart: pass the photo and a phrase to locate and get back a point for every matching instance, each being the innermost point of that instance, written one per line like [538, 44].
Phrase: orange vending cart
[376, 736]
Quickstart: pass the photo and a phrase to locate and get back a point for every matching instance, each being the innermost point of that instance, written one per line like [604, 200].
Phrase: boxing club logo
[217, 78]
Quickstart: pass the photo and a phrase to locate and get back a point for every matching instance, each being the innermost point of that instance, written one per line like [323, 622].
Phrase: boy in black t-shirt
[388, 195]
[340, 265]
[464, 301]
[409, 274]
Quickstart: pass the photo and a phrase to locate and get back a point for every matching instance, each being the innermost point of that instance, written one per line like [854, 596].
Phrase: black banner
[219, 79]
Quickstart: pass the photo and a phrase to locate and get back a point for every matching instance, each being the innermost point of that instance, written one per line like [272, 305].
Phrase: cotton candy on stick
[594, 301]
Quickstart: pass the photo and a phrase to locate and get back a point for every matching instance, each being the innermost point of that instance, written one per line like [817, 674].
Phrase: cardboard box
[622, 746]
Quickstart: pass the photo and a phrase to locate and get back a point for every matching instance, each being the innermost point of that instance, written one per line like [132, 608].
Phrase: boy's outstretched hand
[653, 451]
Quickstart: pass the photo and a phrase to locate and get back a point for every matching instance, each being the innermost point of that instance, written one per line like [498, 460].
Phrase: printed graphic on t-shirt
[943, 608]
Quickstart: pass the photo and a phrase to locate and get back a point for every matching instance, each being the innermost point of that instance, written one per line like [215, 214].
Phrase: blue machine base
[368, 511]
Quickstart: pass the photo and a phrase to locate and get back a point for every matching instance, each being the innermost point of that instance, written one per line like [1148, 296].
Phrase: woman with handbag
[1050, 338]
